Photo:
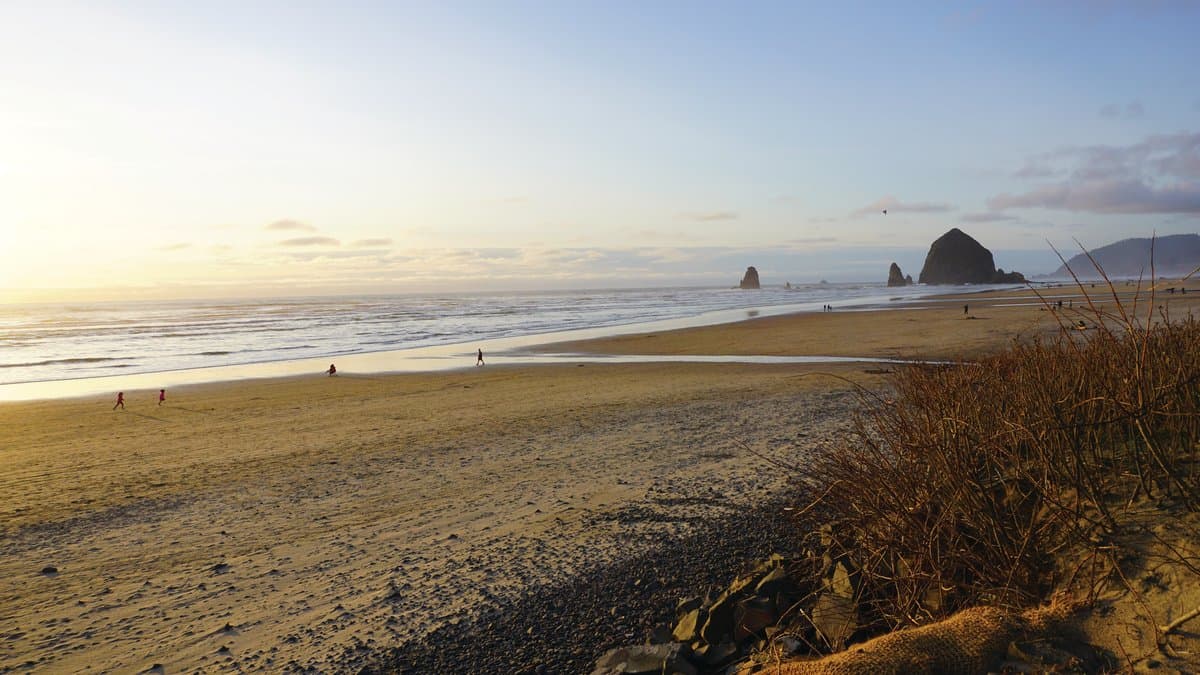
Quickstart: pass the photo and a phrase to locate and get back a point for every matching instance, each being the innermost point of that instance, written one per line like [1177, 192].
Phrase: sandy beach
[276, 524]
[285, 521]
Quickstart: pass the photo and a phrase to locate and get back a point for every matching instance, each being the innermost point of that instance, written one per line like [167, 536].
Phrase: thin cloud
[497, 253]
[174, 247]
[652, 235]
[1160, 174]
[1130, 196]
[1130, 111]
[1034, 169]
[893, 205]
[311, 241]
[328, 255]
[709, 216]
[371, 243]
[290, 225]
[672, 255]
[811, 240]
[986, 217]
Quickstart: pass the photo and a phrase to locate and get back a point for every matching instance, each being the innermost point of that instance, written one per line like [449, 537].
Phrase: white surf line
[515, 351]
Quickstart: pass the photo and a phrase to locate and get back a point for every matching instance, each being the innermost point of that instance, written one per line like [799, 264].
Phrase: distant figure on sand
[964, 309]
[479, 357]
[332, 370]
[120, 401]
[162, 396]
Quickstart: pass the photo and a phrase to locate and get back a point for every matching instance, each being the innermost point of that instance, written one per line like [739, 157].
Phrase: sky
[184, 149]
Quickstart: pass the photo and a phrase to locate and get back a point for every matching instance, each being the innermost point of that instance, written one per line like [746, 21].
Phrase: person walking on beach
[479, 357]
[964, 310]
[120, 401]
[162, 396]
[332, 370]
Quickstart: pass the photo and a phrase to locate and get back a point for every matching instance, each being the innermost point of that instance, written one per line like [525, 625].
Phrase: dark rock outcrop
[750, 280]
[1002, 277]
[896, 277]
[956, 258]
[710, 633]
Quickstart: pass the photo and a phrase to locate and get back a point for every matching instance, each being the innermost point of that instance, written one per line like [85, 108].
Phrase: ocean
[73, 341]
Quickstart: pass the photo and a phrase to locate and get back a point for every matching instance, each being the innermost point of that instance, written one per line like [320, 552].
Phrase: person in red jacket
[120, 401]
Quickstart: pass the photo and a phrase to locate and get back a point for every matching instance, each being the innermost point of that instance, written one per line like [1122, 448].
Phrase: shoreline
[516, 350]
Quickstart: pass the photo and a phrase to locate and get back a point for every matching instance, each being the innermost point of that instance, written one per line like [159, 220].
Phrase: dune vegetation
[1050, 466]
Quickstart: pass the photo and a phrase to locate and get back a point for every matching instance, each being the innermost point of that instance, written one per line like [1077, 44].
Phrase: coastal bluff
[957, 258]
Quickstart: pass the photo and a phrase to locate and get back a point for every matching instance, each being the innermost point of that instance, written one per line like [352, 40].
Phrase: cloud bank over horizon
[1158, 175]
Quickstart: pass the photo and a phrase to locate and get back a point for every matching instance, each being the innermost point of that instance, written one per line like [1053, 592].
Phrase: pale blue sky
[209, 148]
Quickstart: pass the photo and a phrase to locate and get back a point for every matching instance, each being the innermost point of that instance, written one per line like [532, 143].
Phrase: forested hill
[1174, 255]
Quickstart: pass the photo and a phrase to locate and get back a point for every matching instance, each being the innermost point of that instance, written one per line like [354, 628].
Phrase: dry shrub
[961, 486]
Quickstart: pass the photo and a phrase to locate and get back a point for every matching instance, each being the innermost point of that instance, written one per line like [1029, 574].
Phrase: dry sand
[352, 510]
[265, 524]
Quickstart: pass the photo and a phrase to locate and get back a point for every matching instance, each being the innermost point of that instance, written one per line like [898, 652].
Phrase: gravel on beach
[563, 628]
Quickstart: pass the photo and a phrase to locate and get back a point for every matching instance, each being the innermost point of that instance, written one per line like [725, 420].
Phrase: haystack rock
[750, 280]
[956, 258]
[896, 277]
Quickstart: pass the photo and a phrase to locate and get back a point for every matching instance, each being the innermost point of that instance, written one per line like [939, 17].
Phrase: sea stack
[956, 258]
[750, 280]
[896, 277]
